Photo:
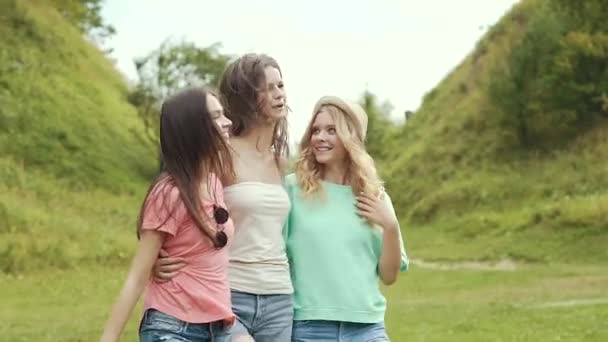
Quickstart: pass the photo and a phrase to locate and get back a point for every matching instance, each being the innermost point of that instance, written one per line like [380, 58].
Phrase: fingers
[362, 206]
[163, 273]
[171, 268]
[367, 203]
[364, 210]
[366, 207]
[163, 277]
[167, 268]
[371, 201]
[170, 261]
[365, 214]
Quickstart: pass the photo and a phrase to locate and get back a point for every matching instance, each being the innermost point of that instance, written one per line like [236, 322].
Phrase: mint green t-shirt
[334, 256]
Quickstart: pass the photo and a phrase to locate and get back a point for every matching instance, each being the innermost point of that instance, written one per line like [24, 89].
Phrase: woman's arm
[390, 257]
[378, 211]
[139, 274]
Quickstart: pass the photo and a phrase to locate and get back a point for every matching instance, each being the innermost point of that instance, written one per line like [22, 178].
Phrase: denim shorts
[334, 331]
[157, 326]
[266, 318]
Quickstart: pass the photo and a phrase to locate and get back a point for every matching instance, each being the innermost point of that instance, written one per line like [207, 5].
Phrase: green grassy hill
[74, 159]
[466, 189]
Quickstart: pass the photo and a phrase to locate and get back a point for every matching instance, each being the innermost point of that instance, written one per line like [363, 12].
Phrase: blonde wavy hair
[351, 126]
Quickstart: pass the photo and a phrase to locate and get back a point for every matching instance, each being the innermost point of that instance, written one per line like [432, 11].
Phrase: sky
[397, 49]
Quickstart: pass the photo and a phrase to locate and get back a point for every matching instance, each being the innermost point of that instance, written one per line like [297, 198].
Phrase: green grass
[424, 305]
[469, 305]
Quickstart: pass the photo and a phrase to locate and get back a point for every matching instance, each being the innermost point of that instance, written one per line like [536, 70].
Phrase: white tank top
[258, 262]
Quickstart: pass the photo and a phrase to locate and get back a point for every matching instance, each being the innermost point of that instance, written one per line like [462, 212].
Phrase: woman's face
[273, 95]
[324, 140]
[217, 114]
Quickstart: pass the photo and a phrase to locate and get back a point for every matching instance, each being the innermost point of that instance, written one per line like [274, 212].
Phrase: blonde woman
[342, 234]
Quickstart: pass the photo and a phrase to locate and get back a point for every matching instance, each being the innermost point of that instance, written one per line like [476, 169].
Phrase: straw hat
[352, 109]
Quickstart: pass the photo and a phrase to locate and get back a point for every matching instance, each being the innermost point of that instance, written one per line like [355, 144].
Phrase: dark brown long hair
[191, 149]
[240, 87]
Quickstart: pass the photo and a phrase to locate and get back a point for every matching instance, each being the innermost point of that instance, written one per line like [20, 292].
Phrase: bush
[554, 82]
[518, 87]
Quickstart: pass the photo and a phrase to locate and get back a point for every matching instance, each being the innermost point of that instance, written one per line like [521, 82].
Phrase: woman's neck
[335, 173]
[260, 137]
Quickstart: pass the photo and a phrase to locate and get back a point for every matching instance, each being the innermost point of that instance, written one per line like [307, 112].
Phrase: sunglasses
[221, 216]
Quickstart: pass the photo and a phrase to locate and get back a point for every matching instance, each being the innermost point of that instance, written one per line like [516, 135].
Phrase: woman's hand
[379, 211]
[167, 267]
[376, 211]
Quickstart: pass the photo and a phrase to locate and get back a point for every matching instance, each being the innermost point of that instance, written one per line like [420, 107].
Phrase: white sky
[398, 49]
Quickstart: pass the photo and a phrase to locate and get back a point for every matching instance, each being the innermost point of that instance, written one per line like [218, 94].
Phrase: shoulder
[291, 178]
[291, 181]
[384, 194]
[387, 199]
[165, 189]
[215, 185]
[163, 198]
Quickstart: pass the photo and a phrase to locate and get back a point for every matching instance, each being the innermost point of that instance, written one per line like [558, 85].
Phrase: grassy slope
[74, 156]
[465, 192]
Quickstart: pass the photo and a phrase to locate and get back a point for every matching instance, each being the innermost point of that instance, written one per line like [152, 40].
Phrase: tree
[554, 83]
[172, 66]
[580, 69]
[408, 115]
[86, 16]
[378, 126]
[518, 87]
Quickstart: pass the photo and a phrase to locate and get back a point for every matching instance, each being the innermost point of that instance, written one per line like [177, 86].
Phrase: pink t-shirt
[200, 292]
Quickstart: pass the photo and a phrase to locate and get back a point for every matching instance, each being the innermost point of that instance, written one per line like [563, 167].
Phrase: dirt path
[572, 302]
[501, 265]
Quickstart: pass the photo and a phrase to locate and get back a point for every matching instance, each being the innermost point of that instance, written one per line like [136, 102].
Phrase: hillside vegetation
[74, 159]
[506, 158]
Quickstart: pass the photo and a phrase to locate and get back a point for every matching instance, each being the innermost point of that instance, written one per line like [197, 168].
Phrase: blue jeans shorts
[266, 318]
[334, 331]
[156, 326]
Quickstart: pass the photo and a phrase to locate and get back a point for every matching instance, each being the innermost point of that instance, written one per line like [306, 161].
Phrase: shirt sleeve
[404, 260]
[162, 210]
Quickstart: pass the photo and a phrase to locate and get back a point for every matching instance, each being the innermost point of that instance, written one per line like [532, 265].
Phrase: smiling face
[217, 115]
[325, 143]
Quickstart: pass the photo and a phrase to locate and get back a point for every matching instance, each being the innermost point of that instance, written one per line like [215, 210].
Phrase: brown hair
[192, 149]
[240, 87]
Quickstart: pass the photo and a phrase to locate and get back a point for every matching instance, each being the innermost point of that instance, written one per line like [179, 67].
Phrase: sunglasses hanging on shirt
[221, 216]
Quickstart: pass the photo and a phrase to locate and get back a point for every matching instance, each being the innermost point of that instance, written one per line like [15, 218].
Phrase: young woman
[343, 235]
[253, 94]
[184, 214]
